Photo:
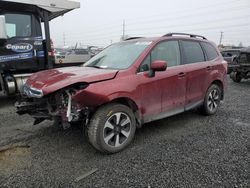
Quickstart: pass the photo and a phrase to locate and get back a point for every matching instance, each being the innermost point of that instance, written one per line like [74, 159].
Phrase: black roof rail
[186, 34]
[131, 38]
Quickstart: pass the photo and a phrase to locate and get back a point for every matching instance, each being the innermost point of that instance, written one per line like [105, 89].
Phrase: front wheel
[112, 128]
[212, 100]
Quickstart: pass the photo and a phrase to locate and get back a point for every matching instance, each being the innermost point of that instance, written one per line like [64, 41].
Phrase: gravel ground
[187, 150]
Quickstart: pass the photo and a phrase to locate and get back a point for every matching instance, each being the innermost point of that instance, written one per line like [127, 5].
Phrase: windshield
[118, 56]
[18, 25]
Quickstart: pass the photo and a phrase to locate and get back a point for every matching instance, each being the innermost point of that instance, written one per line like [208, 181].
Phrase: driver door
[163, 94]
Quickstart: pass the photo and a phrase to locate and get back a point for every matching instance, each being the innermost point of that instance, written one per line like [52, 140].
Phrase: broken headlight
[32, 92]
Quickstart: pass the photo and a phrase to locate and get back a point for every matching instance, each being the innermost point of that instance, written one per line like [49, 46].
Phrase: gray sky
[99, 22]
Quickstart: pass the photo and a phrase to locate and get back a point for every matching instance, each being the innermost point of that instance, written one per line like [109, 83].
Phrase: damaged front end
[58, 106]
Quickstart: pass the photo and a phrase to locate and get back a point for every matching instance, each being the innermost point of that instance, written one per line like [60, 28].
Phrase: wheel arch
[220, 84]
[129, 103]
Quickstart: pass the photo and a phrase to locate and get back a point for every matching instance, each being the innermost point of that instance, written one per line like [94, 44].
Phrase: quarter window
[211, 51]
[192, 52]
[18, 25]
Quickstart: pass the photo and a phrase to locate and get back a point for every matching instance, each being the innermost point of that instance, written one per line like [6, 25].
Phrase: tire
[236, 77]
[212, 100]
[112, 128]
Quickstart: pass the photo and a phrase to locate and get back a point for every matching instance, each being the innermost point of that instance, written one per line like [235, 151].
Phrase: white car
[73, 56]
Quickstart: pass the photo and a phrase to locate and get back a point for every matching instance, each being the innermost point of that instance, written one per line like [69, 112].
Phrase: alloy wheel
[213, 100]
[117, 129]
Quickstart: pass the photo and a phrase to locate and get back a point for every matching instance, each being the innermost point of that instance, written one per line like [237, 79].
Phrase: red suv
[128, 84]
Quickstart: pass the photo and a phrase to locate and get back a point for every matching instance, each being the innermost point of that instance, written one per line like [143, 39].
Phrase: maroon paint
[174, 88]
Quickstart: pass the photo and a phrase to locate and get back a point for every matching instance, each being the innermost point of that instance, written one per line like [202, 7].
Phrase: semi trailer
[24, 49]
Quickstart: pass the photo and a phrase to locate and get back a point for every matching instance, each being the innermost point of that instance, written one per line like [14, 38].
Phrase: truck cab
[23, 48]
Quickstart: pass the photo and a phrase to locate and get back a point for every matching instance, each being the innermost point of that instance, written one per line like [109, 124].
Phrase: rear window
[210, 51]
[192, 52]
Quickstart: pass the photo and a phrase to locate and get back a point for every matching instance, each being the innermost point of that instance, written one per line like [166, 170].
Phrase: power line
[200, 29]
[192, 24]
[188, 9]
[161, 28]
[220, 11]
[193, 13]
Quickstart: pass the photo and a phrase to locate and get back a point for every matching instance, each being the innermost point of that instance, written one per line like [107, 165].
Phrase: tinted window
[192, 52]
[230, 53]
[167, 51]
[226, 54]
[211, 51]
[18, 25]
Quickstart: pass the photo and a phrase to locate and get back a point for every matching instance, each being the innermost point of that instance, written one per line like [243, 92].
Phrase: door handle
[209, 68]
[181, 75]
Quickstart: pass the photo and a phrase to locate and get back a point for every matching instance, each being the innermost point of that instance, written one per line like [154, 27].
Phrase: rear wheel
[112, 128]
[236, 77]
[212, 100]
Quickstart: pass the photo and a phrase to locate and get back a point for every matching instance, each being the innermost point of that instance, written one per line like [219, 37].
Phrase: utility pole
[64, 39]
[123, 30]
[221, 36]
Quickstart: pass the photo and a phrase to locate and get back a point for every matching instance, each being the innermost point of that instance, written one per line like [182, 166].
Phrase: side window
[167, 51]
[193, 52]
[18, 25]
[229, 54]
[244, 58]
[211, 51]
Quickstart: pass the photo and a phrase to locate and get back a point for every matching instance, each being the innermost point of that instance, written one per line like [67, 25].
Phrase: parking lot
[187, 150]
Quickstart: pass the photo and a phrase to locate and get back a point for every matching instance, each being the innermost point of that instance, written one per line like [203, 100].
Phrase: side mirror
[3, 33]
[159, 65]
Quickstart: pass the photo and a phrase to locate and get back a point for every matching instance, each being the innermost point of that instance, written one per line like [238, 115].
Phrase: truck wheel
[112, 128]
[236, 77]
[212, 100]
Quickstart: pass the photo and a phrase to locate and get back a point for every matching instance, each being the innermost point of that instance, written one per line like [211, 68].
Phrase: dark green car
[242, 68]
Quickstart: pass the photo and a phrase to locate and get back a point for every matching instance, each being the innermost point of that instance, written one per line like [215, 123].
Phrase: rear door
[198, 70]
[213, 57]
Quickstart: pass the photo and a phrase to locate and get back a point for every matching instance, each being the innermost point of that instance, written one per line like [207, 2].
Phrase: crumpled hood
[52, 80]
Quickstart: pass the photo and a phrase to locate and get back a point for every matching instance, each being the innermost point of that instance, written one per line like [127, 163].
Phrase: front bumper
[33, 107]
[45, 109]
